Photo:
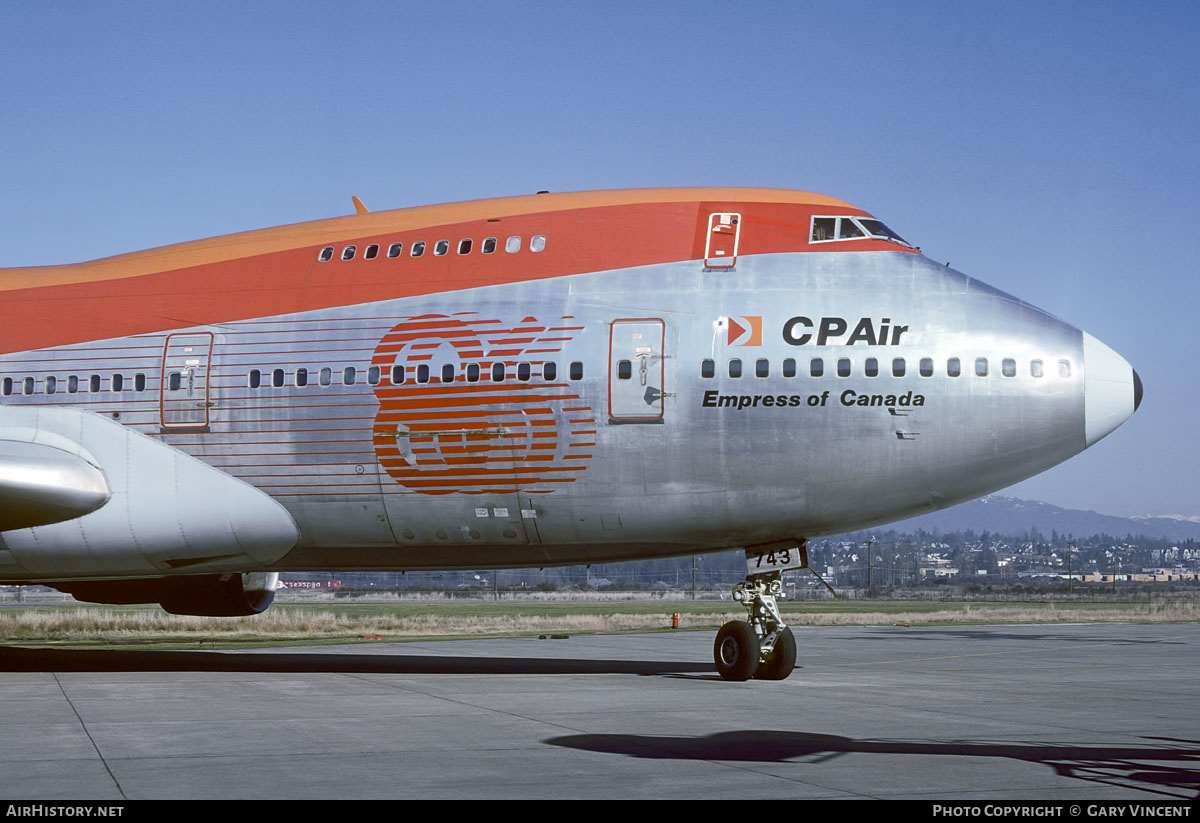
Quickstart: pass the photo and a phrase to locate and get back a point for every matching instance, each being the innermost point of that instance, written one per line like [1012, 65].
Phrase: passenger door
[637, 371]
[184, 383]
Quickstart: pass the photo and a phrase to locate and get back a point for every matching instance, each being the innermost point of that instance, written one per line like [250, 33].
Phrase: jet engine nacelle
[209, 595]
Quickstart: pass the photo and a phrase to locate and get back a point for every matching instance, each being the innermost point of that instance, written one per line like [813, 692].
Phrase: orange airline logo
[744, 331]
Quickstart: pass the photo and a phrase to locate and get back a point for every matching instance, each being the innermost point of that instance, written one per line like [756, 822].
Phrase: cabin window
[497, 372]
[464, 246]
[51, 385]
[576, 370]
[708, 368]
[523, 371]
[441, 247]
[1064, 368]
[625, 369]
[789, 367]
[118, 382]
[549, 371]
[816, 367]
[72, 385]
[953, 367]
[898, 367]
[7, 386]
[348, 252]
[1035, 368]
[489, 245]
[139, 382]
[254, 380]
[373, 375]
[418, 248]
[27, 385]
[981, 367]
[371, 251]
[1008, 367]
[762, 367]
[94, 383]
[537, 242]
[843, 367]
[277, 378]
[326, 376]
[326, 254]
[301, 377]
[735, 367]
[395, 249]
[927, 367]
[513, 244]
[397, 375]
[423, 373]
[447, 373]
[870, 367]
[349, 375]
[472, 372]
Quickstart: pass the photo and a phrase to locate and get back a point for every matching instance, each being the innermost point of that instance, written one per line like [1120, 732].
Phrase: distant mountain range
[1012, 516]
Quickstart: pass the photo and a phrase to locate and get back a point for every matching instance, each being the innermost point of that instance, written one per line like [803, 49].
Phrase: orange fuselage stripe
[275, 271]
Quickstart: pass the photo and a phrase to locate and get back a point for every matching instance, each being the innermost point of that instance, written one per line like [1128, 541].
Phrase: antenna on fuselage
[358, 205]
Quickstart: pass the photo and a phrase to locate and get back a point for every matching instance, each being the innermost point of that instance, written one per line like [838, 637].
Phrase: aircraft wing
[84, 497]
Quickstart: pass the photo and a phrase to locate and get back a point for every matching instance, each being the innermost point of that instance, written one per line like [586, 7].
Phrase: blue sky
[1048, 148]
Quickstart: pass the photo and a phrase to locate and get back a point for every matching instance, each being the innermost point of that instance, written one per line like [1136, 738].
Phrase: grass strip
[148, 627]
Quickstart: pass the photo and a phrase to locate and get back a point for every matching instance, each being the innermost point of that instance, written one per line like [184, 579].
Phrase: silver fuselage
[655, 460]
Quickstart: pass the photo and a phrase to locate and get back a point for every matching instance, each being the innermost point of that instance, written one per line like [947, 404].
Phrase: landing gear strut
[764, 647]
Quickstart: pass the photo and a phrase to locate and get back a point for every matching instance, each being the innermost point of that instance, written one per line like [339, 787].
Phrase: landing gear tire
[736, 651]
[781, 661]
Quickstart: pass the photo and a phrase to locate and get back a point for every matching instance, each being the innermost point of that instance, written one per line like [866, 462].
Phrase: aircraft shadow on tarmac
[974, 634]
[80, 660]
[1173, 771]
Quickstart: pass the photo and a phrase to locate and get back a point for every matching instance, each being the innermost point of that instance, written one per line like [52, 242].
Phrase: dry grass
[99, 624]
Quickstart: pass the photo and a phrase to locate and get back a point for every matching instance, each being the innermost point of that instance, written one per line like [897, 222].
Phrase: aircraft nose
[1112, 390]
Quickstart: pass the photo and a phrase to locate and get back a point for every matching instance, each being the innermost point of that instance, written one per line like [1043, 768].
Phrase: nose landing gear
[764, 647]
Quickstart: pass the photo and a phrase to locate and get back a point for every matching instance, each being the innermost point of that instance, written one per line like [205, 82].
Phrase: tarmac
[973, 713]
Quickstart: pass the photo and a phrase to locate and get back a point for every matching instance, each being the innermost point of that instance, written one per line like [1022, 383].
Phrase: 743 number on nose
[775, 559]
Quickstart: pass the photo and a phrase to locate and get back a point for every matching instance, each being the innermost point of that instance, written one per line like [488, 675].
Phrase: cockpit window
[825, 229]
[878, 229]
[822, 228]
[847, 229]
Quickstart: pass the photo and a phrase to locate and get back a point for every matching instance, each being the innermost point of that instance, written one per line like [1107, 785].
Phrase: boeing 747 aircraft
[528, 381]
